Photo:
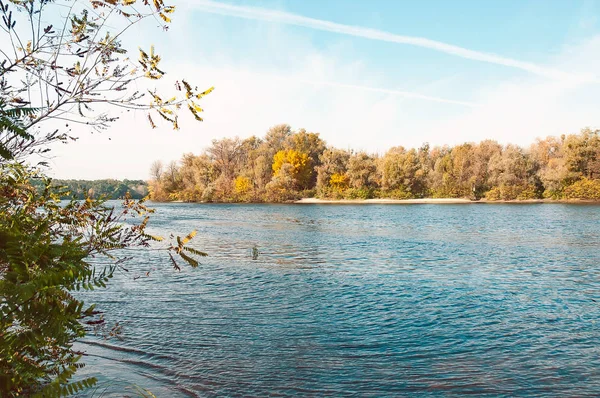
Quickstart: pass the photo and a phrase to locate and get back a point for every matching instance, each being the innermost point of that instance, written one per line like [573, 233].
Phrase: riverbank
[382, 201]
[411, 201]
[438, 201]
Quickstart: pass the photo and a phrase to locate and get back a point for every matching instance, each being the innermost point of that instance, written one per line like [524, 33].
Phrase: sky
[366, 75]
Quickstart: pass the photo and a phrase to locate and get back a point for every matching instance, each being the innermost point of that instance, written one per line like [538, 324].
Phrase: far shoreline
[384, 201]
[441, 201]
[452, 201]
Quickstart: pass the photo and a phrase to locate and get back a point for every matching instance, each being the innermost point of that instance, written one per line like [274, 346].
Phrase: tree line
[286, 165]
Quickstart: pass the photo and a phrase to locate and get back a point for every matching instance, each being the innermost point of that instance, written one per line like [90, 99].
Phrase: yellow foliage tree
[301, 170]
[339, 182]
[583, 189]
[242, 185]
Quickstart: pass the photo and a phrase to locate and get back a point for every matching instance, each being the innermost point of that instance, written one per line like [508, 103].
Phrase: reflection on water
[362, 300]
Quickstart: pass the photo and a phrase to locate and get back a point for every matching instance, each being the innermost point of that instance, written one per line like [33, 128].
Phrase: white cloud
[520, 110]
[247, 102]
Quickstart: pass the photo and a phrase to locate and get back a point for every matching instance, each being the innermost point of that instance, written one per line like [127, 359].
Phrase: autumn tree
[312, 145]
[226, 155]
[513, 174]
[283, 185]
[334, 163]
[582, 154]
[401, 174]
[308, 143]
[276, 138]
[195, 173]
[156, 170]
[453, 174]
[553, 172]
[257, 165]
[299, 166]
[362, 175]
[479, 167]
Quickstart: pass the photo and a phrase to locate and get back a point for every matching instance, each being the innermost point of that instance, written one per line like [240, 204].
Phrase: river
[360, 300]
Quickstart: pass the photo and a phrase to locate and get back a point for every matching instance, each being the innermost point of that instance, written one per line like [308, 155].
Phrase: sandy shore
[439, 201]
[381, 201]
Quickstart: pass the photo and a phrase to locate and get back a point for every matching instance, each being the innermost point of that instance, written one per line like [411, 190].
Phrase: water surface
[351, 300]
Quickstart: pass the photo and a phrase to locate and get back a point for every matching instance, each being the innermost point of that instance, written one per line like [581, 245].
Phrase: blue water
[361, 300]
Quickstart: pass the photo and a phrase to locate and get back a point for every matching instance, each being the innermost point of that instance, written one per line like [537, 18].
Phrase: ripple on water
[362, 300]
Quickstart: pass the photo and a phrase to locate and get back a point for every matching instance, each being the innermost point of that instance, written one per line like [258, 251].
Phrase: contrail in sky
[374, 34]
[405, 94]
[399, 93]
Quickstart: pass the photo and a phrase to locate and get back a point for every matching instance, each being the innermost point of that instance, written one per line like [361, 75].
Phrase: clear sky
[367, 75]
